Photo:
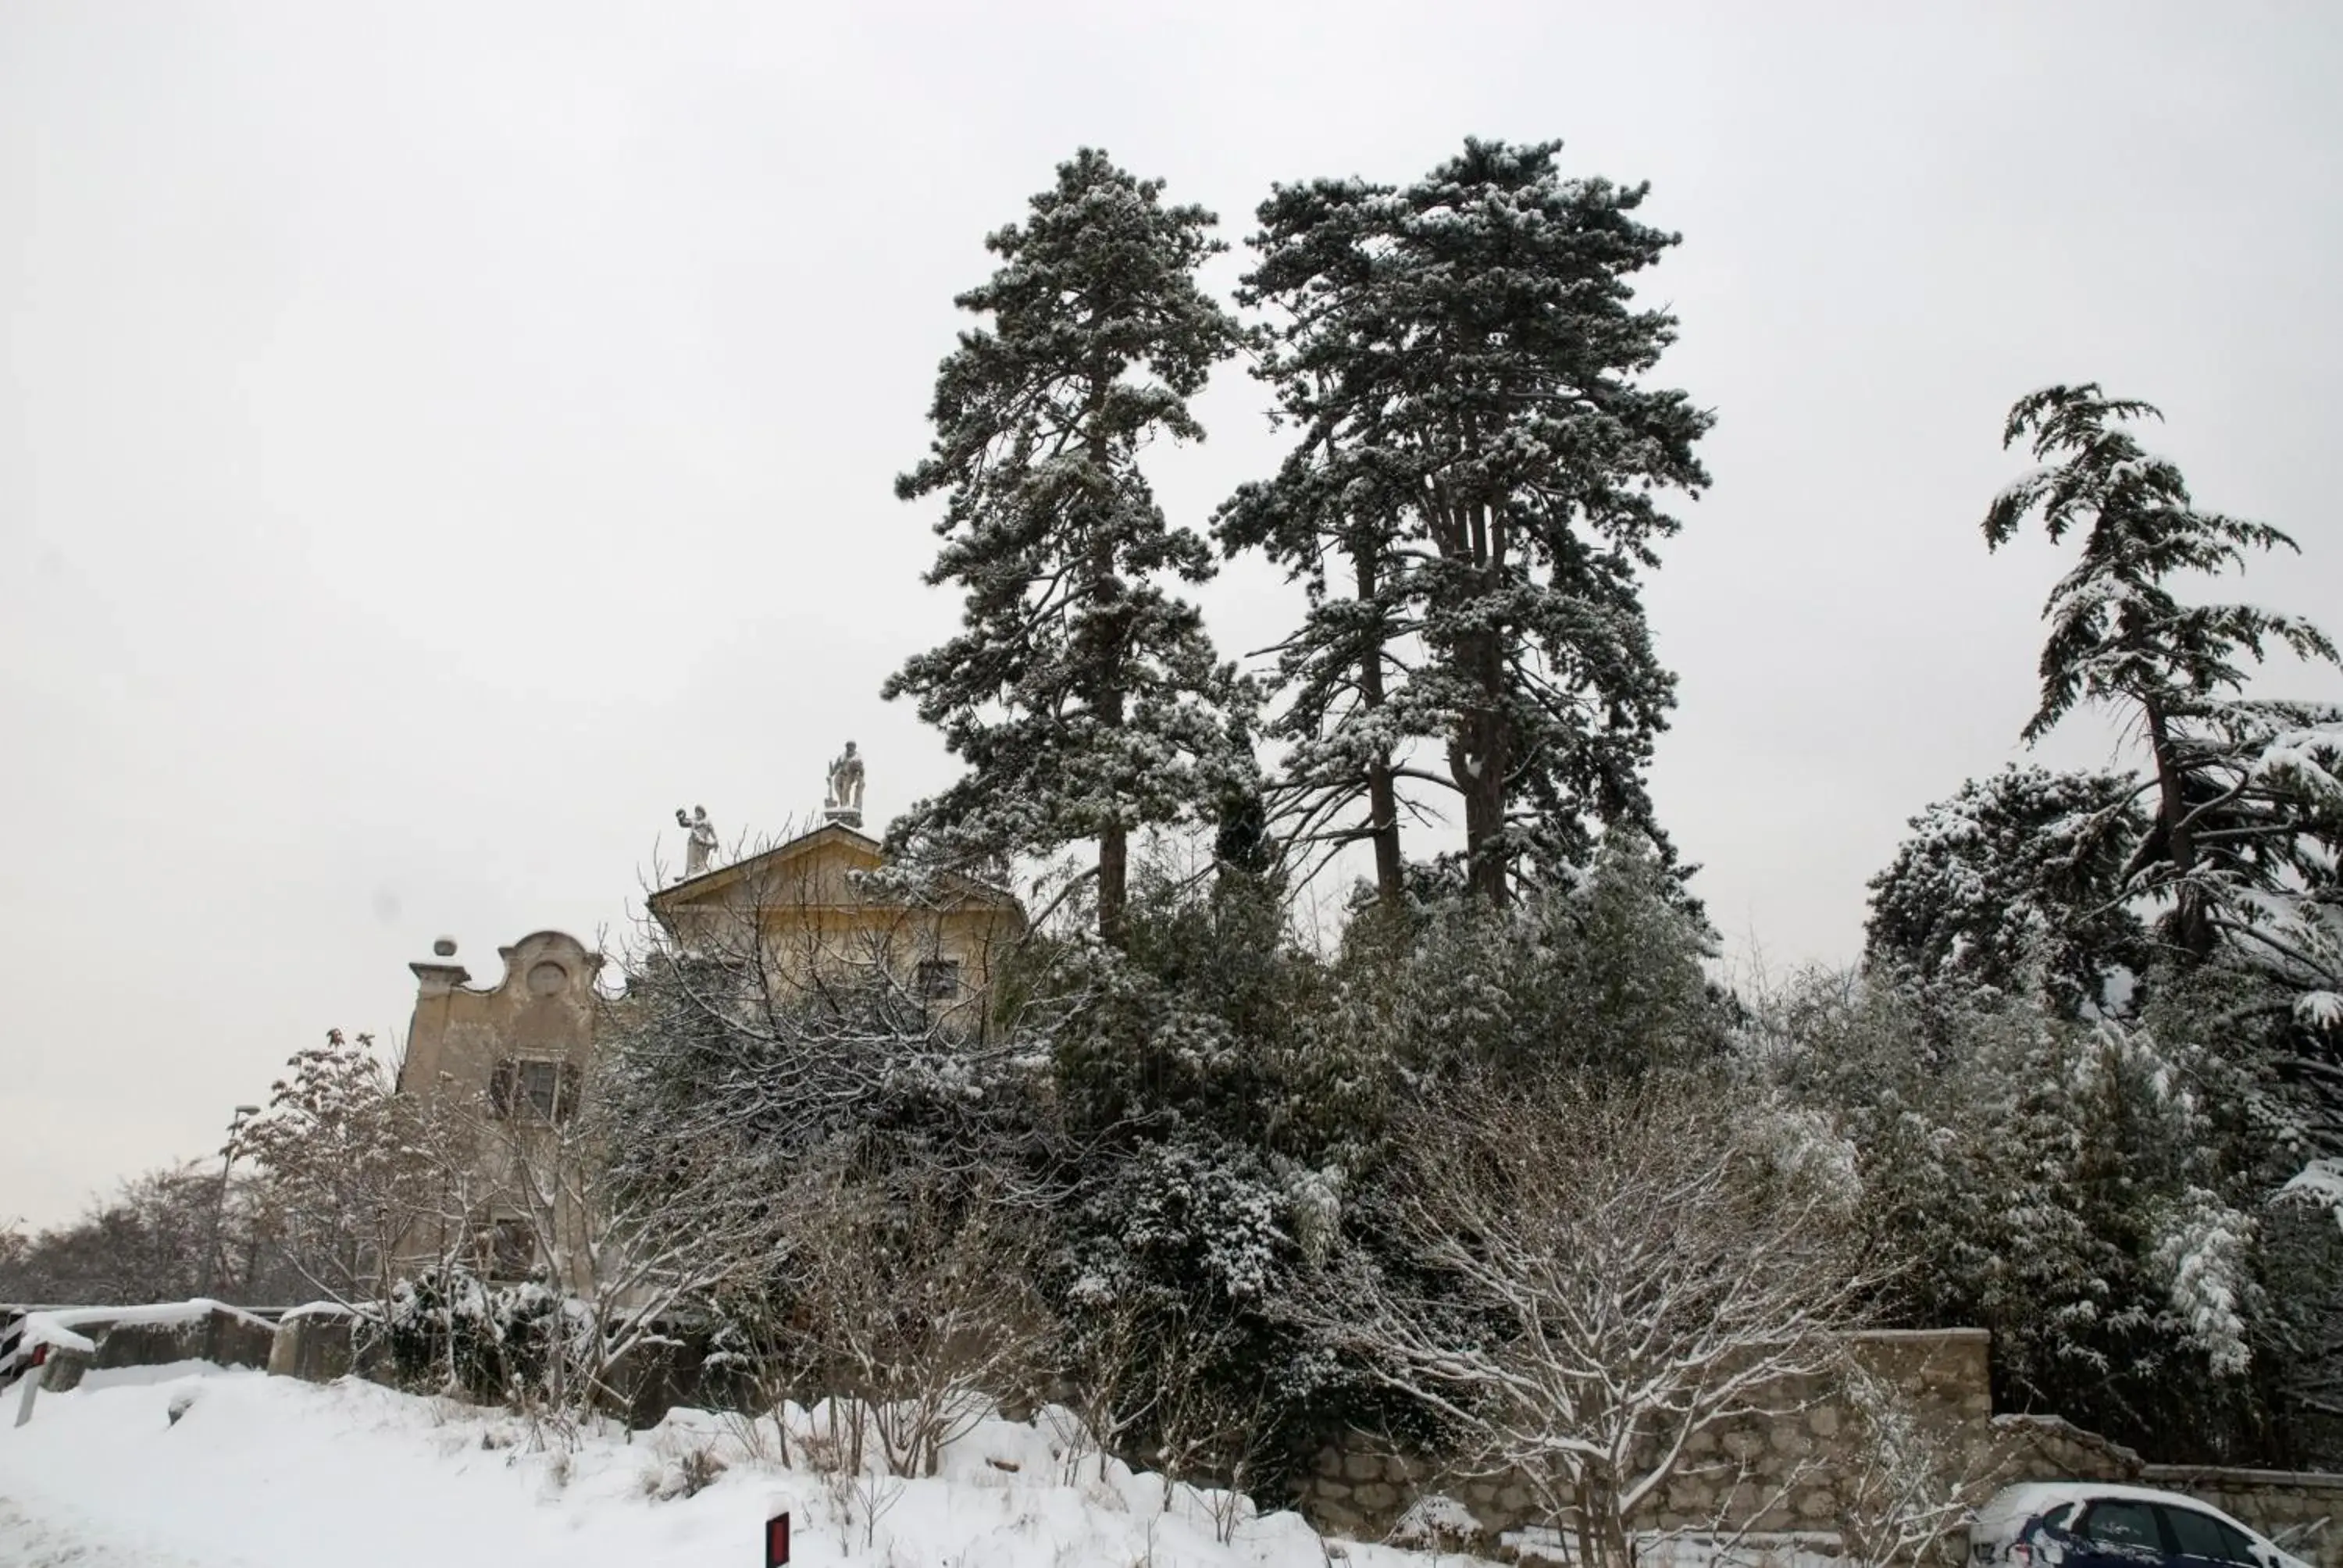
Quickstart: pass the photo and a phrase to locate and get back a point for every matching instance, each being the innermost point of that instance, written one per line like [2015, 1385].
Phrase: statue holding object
[844, 804]
[700, 846]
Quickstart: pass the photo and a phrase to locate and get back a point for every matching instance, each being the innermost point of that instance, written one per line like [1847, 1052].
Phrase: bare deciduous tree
[911, 1301]
[365, 1186]
[1576, 1285]
[1906, 1484]
[624, 1256]
[346, 1168]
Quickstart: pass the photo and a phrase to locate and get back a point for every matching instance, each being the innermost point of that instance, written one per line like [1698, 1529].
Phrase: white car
[2088, 1525]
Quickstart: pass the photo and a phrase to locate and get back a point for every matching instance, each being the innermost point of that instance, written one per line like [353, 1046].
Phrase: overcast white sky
[438, 440]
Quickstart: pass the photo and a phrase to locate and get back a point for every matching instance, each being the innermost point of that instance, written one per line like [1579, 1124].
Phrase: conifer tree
[1472, 495]
[2016, 883]
[1083, 698]
[2218, 821]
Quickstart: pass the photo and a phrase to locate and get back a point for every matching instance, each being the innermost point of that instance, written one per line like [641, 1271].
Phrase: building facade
[512, 1061]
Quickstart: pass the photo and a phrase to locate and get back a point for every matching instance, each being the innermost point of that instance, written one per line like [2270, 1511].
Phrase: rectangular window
[533, 1091]
[940, 979]
[511, 1248]
[540, 1088]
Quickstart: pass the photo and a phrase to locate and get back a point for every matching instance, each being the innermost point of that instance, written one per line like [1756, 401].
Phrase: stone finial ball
[444, 947]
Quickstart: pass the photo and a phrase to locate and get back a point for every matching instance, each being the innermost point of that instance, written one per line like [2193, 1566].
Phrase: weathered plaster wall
[542, 1006]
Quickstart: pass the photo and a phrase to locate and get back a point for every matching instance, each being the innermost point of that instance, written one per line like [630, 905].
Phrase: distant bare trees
[146, 1244]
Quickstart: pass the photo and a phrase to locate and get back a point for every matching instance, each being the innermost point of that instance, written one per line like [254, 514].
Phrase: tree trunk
[1590, 1528]
[2192, 923]
[1478, 762]
[1382, 804]
[1113, 884]
[1478, 767]
[1383, 795]
[1477, 754]
[1106, 695]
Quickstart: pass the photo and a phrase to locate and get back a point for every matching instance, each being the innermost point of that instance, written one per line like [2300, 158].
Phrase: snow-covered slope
[258, 1472]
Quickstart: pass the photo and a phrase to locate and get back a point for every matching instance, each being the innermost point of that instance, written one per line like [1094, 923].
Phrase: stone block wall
[2299, 1510]
[144, 1336]
[1785, 1476]
[313, 1343]
[1772, 1474]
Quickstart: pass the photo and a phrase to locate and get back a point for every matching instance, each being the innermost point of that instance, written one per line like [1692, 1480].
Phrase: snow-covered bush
[2086, 1191]
[448, 1329]
[1603, 976]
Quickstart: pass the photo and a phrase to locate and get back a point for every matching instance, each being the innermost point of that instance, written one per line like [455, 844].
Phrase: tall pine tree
[1473, 495]
[1084, 698]
[1335, 531]
[2220, 824]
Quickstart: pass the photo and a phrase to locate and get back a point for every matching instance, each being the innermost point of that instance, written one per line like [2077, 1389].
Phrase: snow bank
[259, 1471]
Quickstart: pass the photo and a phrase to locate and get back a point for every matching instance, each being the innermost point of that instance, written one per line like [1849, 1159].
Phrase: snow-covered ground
[258, 1472]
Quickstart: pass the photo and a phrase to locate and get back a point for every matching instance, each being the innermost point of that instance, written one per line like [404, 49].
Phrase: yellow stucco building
[824, 907]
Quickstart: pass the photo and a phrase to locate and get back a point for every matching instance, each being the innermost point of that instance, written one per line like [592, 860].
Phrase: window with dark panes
[513, 1249]
[504, 1249]
[2112, 1523]
[540, 1087]
[940, 979]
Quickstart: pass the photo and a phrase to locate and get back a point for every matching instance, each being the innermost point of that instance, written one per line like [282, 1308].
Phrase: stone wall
[2300, 1510]
[158, 1336]
[1773, 1473]
[1788, 1476]
[315, 1342]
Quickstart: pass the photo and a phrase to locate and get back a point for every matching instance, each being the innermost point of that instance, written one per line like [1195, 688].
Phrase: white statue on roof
[844, 804]
[700, 846]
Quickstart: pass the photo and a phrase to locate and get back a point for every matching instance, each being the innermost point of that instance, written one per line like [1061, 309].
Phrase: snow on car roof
[2030, 1498]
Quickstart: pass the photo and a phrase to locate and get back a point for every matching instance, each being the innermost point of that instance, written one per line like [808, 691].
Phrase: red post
[777, 1541]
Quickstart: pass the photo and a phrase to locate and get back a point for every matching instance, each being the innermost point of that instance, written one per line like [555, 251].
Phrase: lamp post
[219, 1205]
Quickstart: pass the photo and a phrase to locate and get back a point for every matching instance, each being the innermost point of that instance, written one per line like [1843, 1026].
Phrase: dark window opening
[538, 1090]
[939, 979]
[514, 1248]
[507, 1249]
[540, 1087]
